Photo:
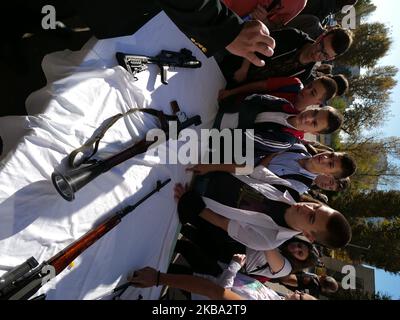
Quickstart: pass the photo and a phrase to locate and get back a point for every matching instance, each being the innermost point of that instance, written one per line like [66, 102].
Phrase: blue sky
[387, 12]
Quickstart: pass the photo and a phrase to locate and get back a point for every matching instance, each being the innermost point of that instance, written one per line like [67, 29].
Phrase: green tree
[383, 239]
[371, 42]
[342, 294]
[369, 95]
[364, 8]
[375, 84]
[368, 203]
[373, 166]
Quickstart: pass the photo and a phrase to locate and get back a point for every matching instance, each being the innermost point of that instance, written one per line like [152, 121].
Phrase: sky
[387, 12]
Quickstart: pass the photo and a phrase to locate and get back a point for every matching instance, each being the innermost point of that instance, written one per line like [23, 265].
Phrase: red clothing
[287, 88]
[260, 278]
[283, 13]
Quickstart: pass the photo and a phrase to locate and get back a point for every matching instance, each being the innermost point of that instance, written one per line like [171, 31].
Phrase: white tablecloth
[85, 88]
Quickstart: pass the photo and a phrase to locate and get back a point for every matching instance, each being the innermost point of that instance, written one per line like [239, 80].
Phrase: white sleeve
[228, 276]
[256, 263]
[263, 174]
[286, 269]
[298, 186]
[254, 237]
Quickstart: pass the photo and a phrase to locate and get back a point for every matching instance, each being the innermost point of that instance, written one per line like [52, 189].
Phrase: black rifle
[25, 280]
[137, 63]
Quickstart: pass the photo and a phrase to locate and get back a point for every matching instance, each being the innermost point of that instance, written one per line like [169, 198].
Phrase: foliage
[383, 238]
[342, 294]
[370, 96]
[371, 43]
[371, 155]
[368, 204]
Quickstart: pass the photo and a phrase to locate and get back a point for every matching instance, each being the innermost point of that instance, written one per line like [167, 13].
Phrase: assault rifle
[25, 280]
[136, 63]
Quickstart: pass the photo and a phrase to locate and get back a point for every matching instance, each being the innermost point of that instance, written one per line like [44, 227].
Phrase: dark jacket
[321, 8]
[269, 137]
[284, 62]
[207, 23]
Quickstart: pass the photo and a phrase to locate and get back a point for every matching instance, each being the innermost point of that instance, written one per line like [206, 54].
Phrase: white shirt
[246, 287]
[255, 230]
[288, 163]
[276, 117]
[256, 259]
[231, 120]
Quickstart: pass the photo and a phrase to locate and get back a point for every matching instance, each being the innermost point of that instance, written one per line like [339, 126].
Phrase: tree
[361, 116]
[342, 294]
[371, 42]
[368, 204]
[383, 237]
[370, 96]
[371, 156]
[375, 84]
[364, 8]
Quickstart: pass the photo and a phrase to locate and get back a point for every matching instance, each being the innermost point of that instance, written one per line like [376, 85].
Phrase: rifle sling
[92, 144]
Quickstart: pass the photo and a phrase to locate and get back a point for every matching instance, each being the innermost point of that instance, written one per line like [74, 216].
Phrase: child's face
[312, 218]
[322, 49]
[312, 94]
[312, 120]
[329, 163]
[326, 182]
[299, 250]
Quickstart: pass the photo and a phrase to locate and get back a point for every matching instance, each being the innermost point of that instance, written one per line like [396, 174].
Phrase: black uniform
[230, 191]
[321, 8]
[209, 24]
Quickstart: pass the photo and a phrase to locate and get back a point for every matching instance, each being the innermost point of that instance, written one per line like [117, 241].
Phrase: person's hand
[239, 258]
[254, 37]
[240, 75]
[297, 295]
[200, 169]
[223, 94]
[144, 278]
[179, 191]
[259, 13]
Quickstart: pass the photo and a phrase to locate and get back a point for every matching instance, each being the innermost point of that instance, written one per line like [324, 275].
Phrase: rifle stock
[34, 279]
[137, 63]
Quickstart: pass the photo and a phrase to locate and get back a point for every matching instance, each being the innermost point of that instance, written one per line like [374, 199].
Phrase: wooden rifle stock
[29, 284]
[66, 256]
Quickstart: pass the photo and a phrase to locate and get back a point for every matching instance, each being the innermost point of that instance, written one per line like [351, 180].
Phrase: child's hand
[223, 94]
[239, 258]
[259, 13]
[240, 75]
[144, 278]
[179, 191]
[200, 169]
